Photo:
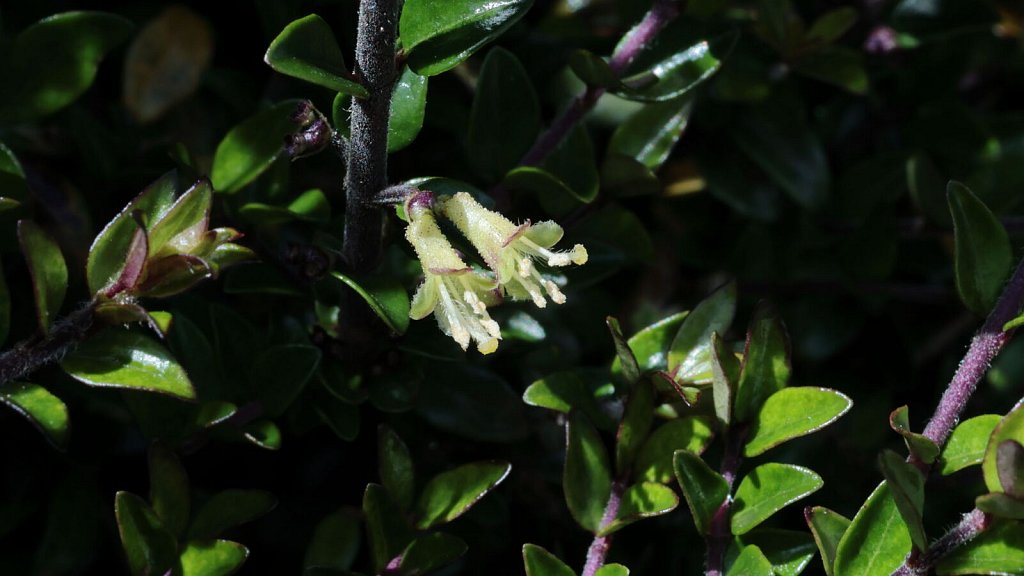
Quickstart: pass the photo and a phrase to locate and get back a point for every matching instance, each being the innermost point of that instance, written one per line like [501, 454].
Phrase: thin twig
[973, 523]
[719, 534]
[600, 545]
[31, 355]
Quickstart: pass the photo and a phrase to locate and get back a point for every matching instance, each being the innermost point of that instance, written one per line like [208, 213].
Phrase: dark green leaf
[336, 541]
[906, 484]
[587, 478]
[966, 445]
[396, 469]
[635, 425]
[408, 105]
[725, 375]
[677, 74]
[593, 70]
[877, 541]
[1010, 467]
[765, 368]
[766, 490]
[431, 552]
[497, 140]
[650, 133]
[5, 307]
[263, 433]
[385, 296]
[279, 374]
[47, 269]
[473, 402]
[572, 390]
[572, 164]
[122, 359]
[927, 189]
[183, 223]
[624, 176]
[168, 489]
[306, 49]
[1010, 428]
[794, 412]
[983, 255]
[650, 345]
[149, 547]
[998, 550]
[828, 528]
[918, 444]
[540, 562]
[386, 528]
[1001, 505]
[750, 562]
[251, 147]
[627, 361]
[227, 509]
[451, 494]
[705, 490]
[689, 356]
[836, 65]
[55, 60]
[643, 500]
[831, 25]
[789, 551]
[437, 40]
[212, 558]
[46, 412]
[654, 461]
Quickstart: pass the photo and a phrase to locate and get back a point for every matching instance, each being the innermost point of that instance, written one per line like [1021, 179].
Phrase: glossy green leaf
[437, 40]
[251, 147]
[46, 412]
[386, 528]
[451, 494]
[149, 547]
[263, 433]
[996, 551]
[168, 489]
[279, 374]
[918, 444]
[828, 528]
[573, 164]
[593, 70]
[227, 509]
[540, 562]
[654, 461]
[966, 445]
[396, 468]
[831, 25]
[877, 541]
[408, 106]
[212, 558]
[794, 412]
[705, 490]
[627, 360]
[983, 255]
[766, 490]
[750, 562]
[765, 368]
[635, 425]
[725, 375]
[650, 134]
[497, 140]
[1010, 428]
[572, 390]
[587, 477]
[385, 296]
[689, 356]
[336, 541]
[788, 551]
[836, 65]
[120, 359]
[906, 484]
[188, 215]
[676, 74]
[643, 500]
[431, 552]
[612, 570]
[650, 345]
[47, 269]
[55, 60]
[306, 49]
[1001, 505]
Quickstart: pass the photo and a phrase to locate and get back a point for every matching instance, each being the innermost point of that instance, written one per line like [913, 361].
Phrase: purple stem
[973, 523]
[719, 533]
[599, 546]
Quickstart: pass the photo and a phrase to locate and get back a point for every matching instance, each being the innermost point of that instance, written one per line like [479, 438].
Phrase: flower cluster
[458, 294]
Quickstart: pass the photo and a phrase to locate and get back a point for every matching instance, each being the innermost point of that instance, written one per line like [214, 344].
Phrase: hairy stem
[368, 145]
[601, 544]
[973, 523]
[719, 534]
[31, 355]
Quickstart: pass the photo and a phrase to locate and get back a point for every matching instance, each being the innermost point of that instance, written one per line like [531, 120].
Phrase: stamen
[525, 267]
[556, 295]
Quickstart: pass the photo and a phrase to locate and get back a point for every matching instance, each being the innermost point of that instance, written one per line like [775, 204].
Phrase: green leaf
[336, 541]
[877, 540]
[635, 425]
[572, 390]
[121, 359]
[998, 550]
[385, 296]
[624, 176]
[168, 489]
[650, 345]
[676, 74]
[47, 269]
[593, 70]
[628, 362]
[408, 106]
[654, 461]
[438, 40]
[983, 255]
[765, 368]
[5, 307]
[794, 412]
[44, 410]
[573, 165]
[612, 570]
[306, 49]
[828, 528]
[927, 189]
[55, 60]
[451, 494]
[279, 374]
[1014, 324]
[497, 140]
[251, 147]
[149, 547]
[431, 552]
[906, 484]
[639, 501]
[966, 445]
[788, 551]
[342, 417]
[473, 402]
[689, 356]
[836, 65]
[540, 562]
[918, 444]
[750, 562]
[387, 529]
[705, 490]
[650, 134]
[263, 433]
[766, 490]
[725, 375]
[212, 558]
[227, 509]
[1001, 505]
[587, 478]
[831, 25]
[189, 213]
[1010, 466]
[1010, 428]
[396, 468]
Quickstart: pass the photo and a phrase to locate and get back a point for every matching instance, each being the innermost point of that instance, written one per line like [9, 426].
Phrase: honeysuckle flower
[511, 250]
[456, 293]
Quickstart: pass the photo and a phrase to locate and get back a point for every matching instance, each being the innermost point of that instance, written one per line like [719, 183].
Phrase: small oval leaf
[451, 494]
[983, 255]
[47, 269]
[794, 412]
[132, 360]
[766, 490]
[306, 49]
